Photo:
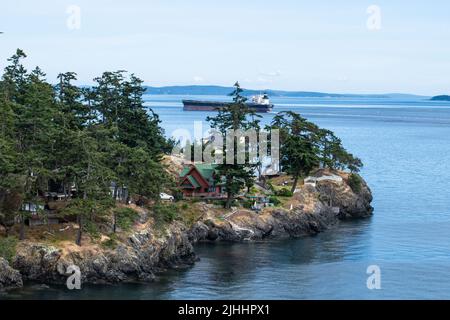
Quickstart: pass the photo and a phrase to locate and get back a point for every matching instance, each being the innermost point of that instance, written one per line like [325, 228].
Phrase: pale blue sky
[284, 44]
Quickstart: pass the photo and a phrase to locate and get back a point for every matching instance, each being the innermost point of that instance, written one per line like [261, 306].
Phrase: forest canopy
[75, 141]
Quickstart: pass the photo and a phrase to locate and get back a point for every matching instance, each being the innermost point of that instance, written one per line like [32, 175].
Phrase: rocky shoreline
[145, 253]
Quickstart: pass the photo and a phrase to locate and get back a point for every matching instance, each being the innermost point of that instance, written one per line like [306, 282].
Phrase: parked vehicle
[166, 197]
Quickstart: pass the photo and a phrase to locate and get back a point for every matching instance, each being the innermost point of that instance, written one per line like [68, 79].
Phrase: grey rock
[144, 254]
[351, 204]
[333, 201]
[138, 259]
[9, 277]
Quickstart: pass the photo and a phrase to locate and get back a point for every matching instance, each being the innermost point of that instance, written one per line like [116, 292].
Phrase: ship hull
[192, 105]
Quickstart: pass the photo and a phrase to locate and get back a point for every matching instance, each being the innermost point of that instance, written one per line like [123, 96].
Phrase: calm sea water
[405, 146]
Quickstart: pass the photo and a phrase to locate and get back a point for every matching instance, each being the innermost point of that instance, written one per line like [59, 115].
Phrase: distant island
[441, 98]
[222, 91]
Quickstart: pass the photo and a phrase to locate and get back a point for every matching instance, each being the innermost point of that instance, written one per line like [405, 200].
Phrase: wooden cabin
[200, 181]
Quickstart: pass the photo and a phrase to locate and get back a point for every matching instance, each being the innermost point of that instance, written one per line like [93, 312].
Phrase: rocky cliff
[9, 277]
[136, 259]
[313, 209]
[146, 251]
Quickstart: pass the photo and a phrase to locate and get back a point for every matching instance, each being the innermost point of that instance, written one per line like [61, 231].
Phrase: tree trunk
[80, 230]
[229, 198]
[114, 222]
[7, 229]
[260, 172]
[294, 186]
[22, 228]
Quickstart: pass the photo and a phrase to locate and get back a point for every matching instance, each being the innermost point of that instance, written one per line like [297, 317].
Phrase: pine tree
[298, 153]
[10, 198]
[92, 179]
[233, 117]
[14, 78]
[80, 140]
[304, 146]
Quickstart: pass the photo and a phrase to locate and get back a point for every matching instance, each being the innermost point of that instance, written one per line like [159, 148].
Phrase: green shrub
[8, 248]
[165, 213]
[92, 229]
[355, 182]
[111, 243]
[220, 203]
[125, 218]
[248, 204]
[275, 201]
[177, 195]
[284, 193]
[253, 190]
[184, 206]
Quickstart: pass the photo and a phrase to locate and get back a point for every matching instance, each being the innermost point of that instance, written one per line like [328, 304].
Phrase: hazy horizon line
[290, 90]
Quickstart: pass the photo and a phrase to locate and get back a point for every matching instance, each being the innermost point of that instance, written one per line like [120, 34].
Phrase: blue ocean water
[405, 146]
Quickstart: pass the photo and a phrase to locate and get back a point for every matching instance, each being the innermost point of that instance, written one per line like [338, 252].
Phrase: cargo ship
[259, 103]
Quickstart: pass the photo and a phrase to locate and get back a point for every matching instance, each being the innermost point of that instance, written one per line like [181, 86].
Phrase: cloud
[276, 73]
[263, 80]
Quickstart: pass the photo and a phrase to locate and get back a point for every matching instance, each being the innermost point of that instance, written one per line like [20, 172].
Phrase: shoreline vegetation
[82, 171]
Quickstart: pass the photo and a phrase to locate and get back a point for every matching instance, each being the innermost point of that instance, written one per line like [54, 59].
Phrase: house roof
[206, 171]
[194, 182]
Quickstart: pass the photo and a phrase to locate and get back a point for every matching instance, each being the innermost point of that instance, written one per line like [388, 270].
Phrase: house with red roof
[200, 181]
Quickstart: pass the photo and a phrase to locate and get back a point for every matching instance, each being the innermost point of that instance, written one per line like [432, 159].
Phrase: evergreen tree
[36, 137]
[14, 78]
[79, 140]
[332, 153]
[304, 146]
[10, 197]
[92, 179]
[298, 153]
[231, 118]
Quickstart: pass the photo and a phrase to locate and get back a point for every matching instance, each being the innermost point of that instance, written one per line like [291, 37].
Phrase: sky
[353, 46]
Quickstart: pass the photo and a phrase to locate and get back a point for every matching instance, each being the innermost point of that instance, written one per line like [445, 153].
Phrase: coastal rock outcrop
[313, 209]
[277, 223]
[316, 206]
[352, 202]
[138, 259]
[9, 277]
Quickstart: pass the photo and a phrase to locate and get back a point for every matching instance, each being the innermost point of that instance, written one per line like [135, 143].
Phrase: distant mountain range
[222, 91]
